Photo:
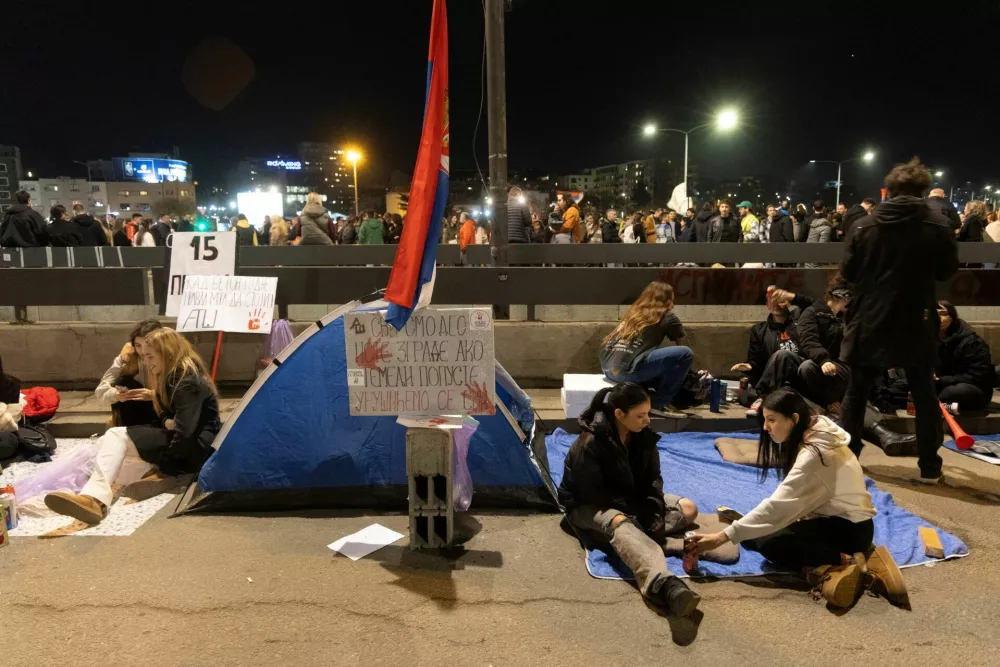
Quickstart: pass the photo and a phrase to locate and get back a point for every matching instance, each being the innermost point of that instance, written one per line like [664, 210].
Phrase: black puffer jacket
[602, 472]
[64, 234]
[702, 227]
[965, 357]
[782, 229]
[893, 258]
[855, 213]
[972, 229]
[944, 207]
[23, 227]
[609, 231]
[820, 333]
[91, 231]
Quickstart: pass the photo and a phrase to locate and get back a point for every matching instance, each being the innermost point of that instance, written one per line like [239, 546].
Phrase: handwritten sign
[197, 254]
[238, 304]
[441, 363]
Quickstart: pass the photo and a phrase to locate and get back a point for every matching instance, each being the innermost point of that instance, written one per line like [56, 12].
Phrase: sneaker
[839, 585]
[885, 578]
[927, 481]
[83, 508]
[754, 409]
[680, 599]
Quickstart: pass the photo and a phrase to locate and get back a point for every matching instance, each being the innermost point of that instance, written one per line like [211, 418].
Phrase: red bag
[42, 403]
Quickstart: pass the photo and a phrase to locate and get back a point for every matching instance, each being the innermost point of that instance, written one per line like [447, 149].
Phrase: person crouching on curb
[819, 519]
[613, 493]
[185, 397]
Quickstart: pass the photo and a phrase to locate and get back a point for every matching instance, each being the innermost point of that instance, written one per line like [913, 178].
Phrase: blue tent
[292, 442]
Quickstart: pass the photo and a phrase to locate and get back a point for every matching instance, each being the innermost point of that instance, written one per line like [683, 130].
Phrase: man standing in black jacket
[22, 226]
[518, 217]
[937, 202]
[893, 258]
[91, 231]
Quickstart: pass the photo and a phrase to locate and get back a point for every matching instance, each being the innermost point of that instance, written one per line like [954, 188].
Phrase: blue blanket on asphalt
[693, 468]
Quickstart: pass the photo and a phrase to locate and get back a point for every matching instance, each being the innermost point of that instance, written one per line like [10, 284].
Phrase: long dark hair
[624, 397]
[781, 456]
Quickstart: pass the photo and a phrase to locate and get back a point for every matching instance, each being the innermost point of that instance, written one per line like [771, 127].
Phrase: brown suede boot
[885, 578]
[840, 585]
[153, 483]
[84, 508]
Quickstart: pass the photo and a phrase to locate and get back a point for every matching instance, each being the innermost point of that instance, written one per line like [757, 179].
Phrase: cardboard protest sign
[197, 254]
[237, 304]
[441, 363]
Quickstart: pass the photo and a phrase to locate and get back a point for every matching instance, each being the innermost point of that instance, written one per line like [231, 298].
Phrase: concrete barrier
[74, 355]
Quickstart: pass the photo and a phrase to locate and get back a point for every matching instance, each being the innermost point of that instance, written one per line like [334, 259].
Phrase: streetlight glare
[489, 201]
[869, 156]
[727, 119]
[353, 156]
[812, 161]
[939, 174]
[649, 130]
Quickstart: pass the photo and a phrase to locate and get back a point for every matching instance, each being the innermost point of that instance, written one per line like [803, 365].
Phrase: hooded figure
[91, 231]
[965, 373]
[893, 259]
[315, 222]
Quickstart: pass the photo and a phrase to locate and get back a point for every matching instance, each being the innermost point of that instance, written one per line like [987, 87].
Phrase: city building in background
[319, 167]
[10, 175]
[118, 197]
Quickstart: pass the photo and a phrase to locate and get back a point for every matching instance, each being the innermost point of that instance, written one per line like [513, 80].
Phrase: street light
[867, 157]
[354, 156]
[939, 173]
[726, 120]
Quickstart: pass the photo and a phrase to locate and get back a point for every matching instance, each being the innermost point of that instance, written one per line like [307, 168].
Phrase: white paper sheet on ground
[365, 541]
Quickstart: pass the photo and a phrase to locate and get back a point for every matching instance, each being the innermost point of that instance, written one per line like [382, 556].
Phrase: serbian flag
[412, 279]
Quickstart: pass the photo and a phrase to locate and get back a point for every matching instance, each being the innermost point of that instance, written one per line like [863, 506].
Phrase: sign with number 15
[198, 254]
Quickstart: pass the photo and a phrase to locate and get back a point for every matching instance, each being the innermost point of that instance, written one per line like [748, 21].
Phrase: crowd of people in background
[567, 221]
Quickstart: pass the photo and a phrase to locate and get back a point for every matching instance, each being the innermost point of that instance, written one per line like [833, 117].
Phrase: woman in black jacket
[974, 223]
[613, 493]
[185, 398]
[965, 373]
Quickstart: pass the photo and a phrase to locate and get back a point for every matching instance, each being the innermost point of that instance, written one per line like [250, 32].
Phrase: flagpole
[496, 91]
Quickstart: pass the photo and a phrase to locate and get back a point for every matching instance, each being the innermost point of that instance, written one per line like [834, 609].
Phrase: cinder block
[431, 529]
[429, 453]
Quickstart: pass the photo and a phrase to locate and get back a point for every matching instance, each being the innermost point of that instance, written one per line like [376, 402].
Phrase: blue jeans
[662, 369]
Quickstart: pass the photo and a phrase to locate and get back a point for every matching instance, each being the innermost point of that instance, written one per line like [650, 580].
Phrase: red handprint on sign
[255, 316]
[479, 396]
[372, 353]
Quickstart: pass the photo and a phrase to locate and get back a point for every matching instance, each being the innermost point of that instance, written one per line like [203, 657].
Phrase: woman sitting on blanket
[184, 396]
[125, 385]
[632, 352]
[613, 493]
[819, 519]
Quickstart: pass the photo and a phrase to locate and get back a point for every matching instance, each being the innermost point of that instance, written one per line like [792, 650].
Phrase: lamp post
[726, 120]
[354, 156]
[867, 157]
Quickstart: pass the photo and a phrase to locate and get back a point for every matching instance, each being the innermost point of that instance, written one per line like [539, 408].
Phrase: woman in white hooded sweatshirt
[819, 519]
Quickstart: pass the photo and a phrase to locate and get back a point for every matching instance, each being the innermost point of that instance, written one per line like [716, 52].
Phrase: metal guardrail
[449, 255]
[464, 285]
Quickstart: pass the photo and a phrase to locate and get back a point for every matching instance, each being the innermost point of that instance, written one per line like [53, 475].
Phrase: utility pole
[496, 92]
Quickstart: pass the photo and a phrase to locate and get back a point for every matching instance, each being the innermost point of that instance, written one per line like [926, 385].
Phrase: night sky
[88, 80]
